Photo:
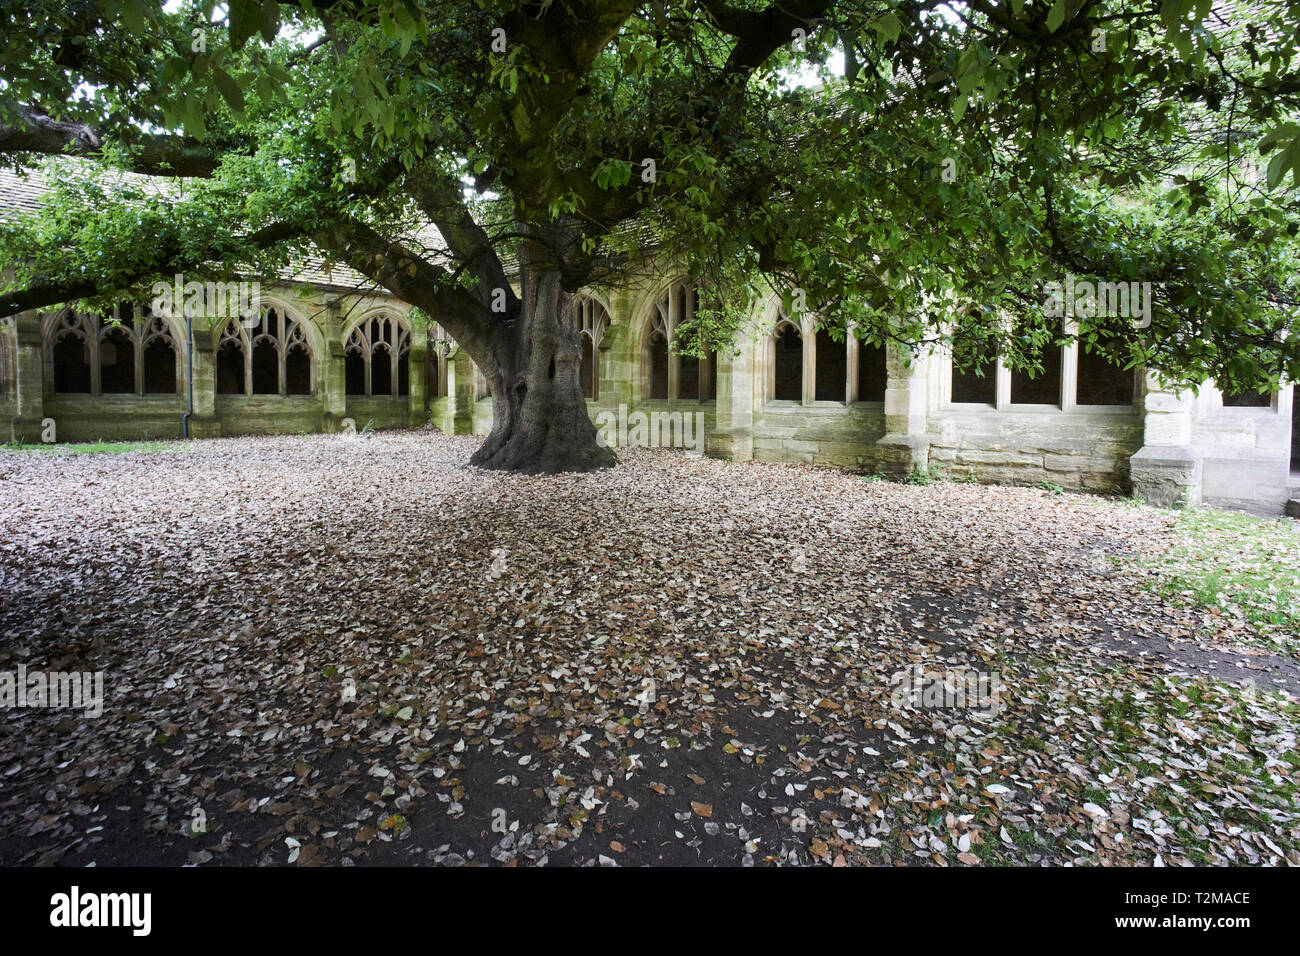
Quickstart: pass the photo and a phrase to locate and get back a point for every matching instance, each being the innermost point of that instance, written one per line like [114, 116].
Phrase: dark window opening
[71, 365]
[1295, 433]
[404, 376]
[1043, 388]
[1249, 398]
[872, 373]
[788, 384]
[977, 385]
[266, 369]
[587, 370]
[297, 372]
[830, 381]
[1101, 381]
[688, 377]
[381, 372]
[658, 366]
[159, 368]
[116, 363]
[354, 374]
[230, 369]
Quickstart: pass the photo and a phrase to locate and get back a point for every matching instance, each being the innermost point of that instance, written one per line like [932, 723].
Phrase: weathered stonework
[1172, 449]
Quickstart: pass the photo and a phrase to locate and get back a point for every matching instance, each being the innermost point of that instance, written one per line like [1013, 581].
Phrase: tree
[485, 160]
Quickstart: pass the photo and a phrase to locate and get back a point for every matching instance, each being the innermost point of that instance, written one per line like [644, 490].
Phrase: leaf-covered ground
[1241, 568]
[357, 650]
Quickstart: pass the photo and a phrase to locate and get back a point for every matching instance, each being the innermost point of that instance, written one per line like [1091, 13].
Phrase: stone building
[320, 350]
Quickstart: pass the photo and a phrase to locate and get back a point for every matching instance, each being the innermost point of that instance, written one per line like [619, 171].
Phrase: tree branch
[412, 279]
[153, 154]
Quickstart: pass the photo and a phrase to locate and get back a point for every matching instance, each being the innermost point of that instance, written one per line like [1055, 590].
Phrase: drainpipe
[189, 375]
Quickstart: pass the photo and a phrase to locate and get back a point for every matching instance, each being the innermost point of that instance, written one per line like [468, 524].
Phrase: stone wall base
[900, 455]
[729, 446]
[1167, 476]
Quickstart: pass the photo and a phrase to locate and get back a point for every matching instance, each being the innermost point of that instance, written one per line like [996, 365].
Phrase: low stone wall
[1078, 450]
[1245, 457]
[835, 435]
[85, 418]
[378, 412]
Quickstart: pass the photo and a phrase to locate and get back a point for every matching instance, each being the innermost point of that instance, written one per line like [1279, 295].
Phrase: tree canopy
[917, 171]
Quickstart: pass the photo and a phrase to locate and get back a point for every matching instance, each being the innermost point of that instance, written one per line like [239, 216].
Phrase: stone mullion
[30, 383]
[808, 354]
[92, 346]
[674, 357]
[137, 354]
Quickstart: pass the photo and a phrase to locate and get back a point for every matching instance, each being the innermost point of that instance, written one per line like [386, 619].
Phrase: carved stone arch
[786, 345]
[98, 353]
[280, 349]
[591, 318]
[161, 352]
[71, 349]
[652, 331]
[373, 349]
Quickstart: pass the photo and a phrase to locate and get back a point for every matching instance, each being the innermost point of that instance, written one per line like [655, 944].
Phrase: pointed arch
[376, 351]
[272, 352]
[665, 372]
[126, 350]
[592, 321]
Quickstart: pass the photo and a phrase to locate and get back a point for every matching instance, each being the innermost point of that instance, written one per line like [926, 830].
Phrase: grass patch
[1240, 565]
[86, 448]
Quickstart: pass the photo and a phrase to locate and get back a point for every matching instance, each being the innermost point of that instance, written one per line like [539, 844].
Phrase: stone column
[905, 446]
[733, 435]
[29, 383]
[204, 422]
[460, 392]
[1166, 470]
[416, 411]
[333, 384]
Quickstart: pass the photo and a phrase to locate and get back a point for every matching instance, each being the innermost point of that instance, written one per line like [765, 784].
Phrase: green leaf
[888, 27]
[1277, 167]
[245, 20]
[229, 89]
[1056, 16]
[270, 20]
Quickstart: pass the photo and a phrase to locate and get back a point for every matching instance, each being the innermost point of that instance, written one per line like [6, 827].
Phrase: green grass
[86, 448]
[1240, 565]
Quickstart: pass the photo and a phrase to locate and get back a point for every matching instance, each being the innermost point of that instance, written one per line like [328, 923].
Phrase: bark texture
[539, 415]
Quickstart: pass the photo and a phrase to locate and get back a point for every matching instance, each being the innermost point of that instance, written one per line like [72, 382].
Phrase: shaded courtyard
[356, 649]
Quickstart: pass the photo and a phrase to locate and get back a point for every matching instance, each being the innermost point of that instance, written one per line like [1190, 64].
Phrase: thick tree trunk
[539, 416]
